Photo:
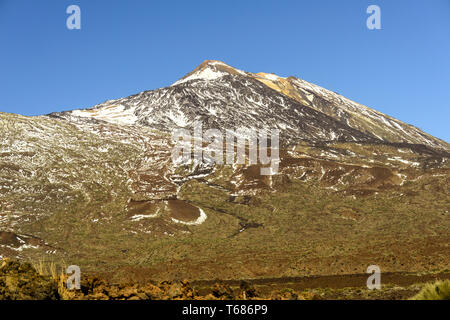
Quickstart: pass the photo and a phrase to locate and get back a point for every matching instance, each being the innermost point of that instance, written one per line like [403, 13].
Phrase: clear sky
[125, 47]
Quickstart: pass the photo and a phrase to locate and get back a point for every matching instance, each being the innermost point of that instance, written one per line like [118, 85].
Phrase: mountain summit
[210, 70]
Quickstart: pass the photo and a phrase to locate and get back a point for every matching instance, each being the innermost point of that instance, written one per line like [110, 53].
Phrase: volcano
[97, 186]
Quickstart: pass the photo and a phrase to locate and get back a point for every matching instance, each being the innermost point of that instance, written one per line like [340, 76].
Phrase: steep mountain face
[98, 188]
[355, 115]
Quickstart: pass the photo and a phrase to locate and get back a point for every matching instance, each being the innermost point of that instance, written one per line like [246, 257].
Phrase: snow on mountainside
[224, 97]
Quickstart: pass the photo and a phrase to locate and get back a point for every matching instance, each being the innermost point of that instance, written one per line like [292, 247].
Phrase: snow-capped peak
[224, 96]
[210, 70]
[204, 74]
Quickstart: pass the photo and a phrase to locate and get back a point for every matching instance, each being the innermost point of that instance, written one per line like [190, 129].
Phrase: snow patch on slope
[198, 221]
[112, 114]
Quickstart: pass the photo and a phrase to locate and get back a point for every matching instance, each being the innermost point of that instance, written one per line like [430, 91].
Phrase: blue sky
[125, 47]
